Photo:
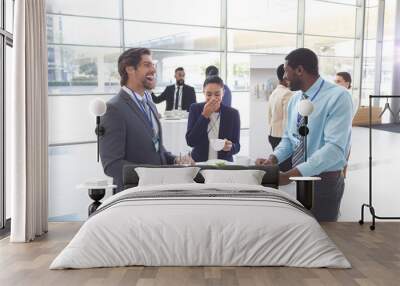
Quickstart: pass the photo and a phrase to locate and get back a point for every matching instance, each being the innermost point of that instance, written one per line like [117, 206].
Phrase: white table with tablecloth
[174, 132]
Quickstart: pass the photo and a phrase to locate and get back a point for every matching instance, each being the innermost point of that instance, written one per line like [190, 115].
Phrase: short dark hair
[305, 58]
[213, 79]
[131, 57]
[346, 76]
[280, 71]
[179, 69]
[212, 71]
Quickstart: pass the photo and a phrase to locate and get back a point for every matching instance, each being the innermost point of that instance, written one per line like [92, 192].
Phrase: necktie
[177, 97]
[146, 108]
[298, 154]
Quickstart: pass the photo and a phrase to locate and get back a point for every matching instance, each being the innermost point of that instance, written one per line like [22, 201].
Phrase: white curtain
[27, 158]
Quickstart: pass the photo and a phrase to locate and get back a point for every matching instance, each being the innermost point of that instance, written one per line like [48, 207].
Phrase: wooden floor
[375, 257]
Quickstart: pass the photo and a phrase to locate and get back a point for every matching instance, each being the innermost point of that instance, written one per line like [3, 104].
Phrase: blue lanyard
[311, 99]
[142, 108]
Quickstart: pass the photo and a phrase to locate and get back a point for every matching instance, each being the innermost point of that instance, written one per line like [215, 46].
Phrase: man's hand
[272, 160]
[345, 171]
[184, 160]
[260, 161]
[210, 107]
[227, 146]
[284, 176]
[284, 179]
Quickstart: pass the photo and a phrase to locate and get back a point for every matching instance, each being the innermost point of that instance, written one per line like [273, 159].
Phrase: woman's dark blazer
[197, 136]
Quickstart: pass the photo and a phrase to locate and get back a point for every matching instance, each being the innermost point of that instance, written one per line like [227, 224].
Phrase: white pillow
[166, 176]
[248, 177]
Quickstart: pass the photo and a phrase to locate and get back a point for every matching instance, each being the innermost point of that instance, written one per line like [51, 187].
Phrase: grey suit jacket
[128, 138]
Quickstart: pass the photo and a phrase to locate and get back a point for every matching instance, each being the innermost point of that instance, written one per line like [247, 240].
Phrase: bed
[198, 224]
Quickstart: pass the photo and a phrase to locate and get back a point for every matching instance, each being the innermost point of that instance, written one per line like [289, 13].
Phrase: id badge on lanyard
[156, 137]
[156, 141]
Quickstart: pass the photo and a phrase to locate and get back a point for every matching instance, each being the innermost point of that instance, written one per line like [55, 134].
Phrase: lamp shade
[97, 107]
[305, 107]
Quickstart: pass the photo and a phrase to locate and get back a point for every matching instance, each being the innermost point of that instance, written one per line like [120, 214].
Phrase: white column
[301, 15]
[395, 102]
[224, 41]
[101, 71]
[359, 49]
[379, 45]
[262, 72]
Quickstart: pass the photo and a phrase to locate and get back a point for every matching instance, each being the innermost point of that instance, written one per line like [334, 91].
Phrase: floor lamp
[305, 185]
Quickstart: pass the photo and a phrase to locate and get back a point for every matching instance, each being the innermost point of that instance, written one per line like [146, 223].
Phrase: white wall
[262, 73]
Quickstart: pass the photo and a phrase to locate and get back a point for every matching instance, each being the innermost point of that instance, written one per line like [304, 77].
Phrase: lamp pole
[305, 185]
[305, 137]
[98, 108]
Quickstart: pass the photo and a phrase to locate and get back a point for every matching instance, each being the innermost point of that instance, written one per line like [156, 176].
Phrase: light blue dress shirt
[329, 139]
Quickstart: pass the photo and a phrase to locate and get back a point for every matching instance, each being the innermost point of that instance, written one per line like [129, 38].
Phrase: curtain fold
[28, 141]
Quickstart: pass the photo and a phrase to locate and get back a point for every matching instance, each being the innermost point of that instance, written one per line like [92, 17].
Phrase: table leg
[305, 193]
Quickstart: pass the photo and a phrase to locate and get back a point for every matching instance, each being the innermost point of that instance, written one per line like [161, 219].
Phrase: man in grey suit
[133, 132]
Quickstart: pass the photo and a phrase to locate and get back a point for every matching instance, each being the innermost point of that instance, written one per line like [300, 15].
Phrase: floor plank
[374, 255]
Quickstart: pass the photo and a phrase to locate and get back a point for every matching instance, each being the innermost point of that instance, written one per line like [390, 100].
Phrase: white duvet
[200, 231]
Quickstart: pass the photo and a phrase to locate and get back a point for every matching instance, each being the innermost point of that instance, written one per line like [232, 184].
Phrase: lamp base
[96, 195]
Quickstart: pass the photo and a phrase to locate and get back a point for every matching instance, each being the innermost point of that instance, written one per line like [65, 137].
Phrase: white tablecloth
[174, 132]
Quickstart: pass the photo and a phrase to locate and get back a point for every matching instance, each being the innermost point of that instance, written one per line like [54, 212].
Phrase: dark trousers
[285, 165]
[328, 194]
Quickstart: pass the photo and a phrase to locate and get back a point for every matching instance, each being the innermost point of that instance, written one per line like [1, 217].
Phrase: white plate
[214, 162]
[172, 118]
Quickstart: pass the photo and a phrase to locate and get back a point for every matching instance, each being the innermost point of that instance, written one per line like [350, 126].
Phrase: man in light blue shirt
[329, 136]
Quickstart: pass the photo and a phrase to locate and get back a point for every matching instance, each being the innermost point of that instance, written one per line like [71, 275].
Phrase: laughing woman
[210, 121]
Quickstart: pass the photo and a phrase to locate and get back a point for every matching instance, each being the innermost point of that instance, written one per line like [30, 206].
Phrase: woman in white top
[211, 120]
[277, 114]
[344, 79]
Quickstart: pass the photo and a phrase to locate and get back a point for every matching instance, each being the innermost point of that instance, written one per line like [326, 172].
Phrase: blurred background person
[211, 120]
[227, 99]
[277, 114]
[179, 96]
[344, 79]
